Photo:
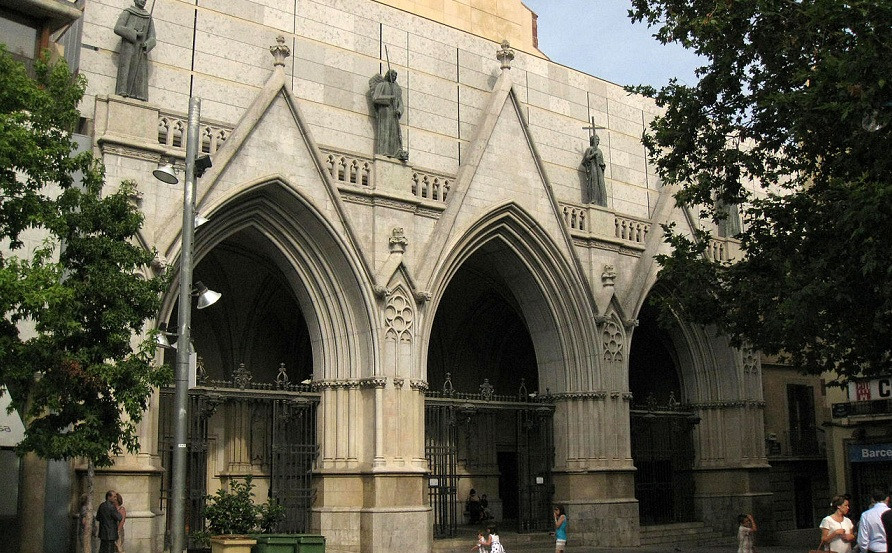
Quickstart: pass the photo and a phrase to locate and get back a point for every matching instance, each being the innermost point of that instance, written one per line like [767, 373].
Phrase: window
[801, 405]
[20, 37]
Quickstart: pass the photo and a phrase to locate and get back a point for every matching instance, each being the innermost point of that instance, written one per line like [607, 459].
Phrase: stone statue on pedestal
[137, 34]
[593, 162]
[387, 99]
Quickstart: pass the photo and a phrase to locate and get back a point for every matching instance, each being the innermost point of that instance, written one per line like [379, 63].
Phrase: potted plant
[233, 518]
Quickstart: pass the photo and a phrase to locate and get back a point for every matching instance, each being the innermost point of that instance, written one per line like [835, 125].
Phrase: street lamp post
[184, 321]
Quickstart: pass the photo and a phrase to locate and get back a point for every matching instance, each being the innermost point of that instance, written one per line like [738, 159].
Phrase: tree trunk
[88, 521]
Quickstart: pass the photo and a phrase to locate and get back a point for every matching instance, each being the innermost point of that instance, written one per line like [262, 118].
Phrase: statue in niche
[387, 100]
[593, 162]
[137, 34]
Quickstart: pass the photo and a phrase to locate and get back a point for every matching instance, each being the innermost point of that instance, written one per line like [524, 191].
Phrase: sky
[597, 37]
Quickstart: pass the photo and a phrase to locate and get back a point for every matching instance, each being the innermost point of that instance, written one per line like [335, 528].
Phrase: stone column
[594, 475]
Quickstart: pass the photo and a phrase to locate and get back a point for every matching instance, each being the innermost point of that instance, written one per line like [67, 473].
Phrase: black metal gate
[663, 453]
[292, 461]
[452, 419]
[441, 450]
[284, 416]
[535, 442]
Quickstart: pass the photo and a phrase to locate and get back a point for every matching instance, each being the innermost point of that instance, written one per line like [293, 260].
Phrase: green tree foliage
[72, 290]
[791, 120]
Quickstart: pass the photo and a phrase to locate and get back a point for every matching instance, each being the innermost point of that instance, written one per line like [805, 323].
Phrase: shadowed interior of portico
[485, 429]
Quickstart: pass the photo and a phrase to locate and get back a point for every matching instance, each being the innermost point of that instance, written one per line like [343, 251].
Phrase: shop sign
[12, 431]
[870, 453]
[867, 390]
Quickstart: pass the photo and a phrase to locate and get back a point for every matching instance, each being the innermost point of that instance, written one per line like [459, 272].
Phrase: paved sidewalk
[673, 549]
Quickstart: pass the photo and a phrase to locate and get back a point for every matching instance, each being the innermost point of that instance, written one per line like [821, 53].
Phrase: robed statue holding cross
[593, 162]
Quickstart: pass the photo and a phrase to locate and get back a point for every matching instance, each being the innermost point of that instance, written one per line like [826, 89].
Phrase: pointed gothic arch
[328, 283]
[551, 299]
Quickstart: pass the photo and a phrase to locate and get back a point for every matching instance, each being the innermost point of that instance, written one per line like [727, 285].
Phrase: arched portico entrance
[661, 427]
[488, 417]
[253, 411]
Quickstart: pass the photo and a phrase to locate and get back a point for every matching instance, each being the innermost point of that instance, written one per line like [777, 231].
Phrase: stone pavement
[730, 548]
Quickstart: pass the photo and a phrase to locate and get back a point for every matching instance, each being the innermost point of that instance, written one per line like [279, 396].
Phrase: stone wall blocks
[436, 49]
[475, 99]
[309, 90]
[431, 85]
[475, 79]
[625, 111]
[245, 9]
[326, 14]
[327, 34]
[625, 126]
[433, 122]
[102, 63]
[309, 50]
[629, 208]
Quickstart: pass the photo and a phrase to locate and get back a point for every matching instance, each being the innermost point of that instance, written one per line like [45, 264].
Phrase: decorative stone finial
[398, 240]
[505, 55]
[608, 277]
[280, 51]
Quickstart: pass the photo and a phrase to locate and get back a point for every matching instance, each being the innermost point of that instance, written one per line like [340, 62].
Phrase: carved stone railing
[723, 249]
[431, 186]
[589, 221]
[575, 217]
[172, 133]
[631, 229]
[347, 168]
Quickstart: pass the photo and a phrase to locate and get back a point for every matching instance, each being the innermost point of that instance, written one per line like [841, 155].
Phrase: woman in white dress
[836, 528]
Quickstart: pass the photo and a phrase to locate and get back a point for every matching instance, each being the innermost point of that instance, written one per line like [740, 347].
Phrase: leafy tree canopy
[790, 121]
[72, 290]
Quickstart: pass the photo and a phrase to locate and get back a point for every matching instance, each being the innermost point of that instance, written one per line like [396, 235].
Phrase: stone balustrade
[431, 186]
[631, 229]
[590, 221]
[172, 133]
[347, 168]
[723, 250]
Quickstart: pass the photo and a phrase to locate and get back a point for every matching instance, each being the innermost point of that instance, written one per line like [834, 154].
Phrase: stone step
[682, 534]
[466, 537]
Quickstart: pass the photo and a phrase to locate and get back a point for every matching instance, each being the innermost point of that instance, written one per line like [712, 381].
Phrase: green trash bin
[275, 543]
[310, 543]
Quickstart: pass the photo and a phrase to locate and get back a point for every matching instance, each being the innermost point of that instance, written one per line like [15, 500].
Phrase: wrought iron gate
[441, 450]
[284, 413]
[292, 461]
[535, 440]
[452, 417]
[663, 453]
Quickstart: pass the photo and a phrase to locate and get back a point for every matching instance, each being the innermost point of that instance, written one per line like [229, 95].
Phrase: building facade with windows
[395, 332]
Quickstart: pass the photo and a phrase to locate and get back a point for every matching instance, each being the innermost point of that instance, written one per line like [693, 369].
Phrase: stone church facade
[460, 319]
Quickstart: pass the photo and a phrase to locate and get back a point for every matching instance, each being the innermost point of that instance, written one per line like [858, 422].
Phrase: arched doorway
[290, 283]
[661, 426]
[249, 414]
[488, 426]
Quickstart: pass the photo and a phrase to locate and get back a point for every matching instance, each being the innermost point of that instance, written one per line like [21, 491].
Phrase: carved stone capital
[420, 385]
[398, 382]
[373, 382]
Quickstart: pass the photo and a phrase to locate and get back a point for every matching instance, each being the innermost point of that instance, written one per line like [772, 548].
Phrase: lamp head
[206, 297]
[166, 173]
[202, 164]
[161, 338]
